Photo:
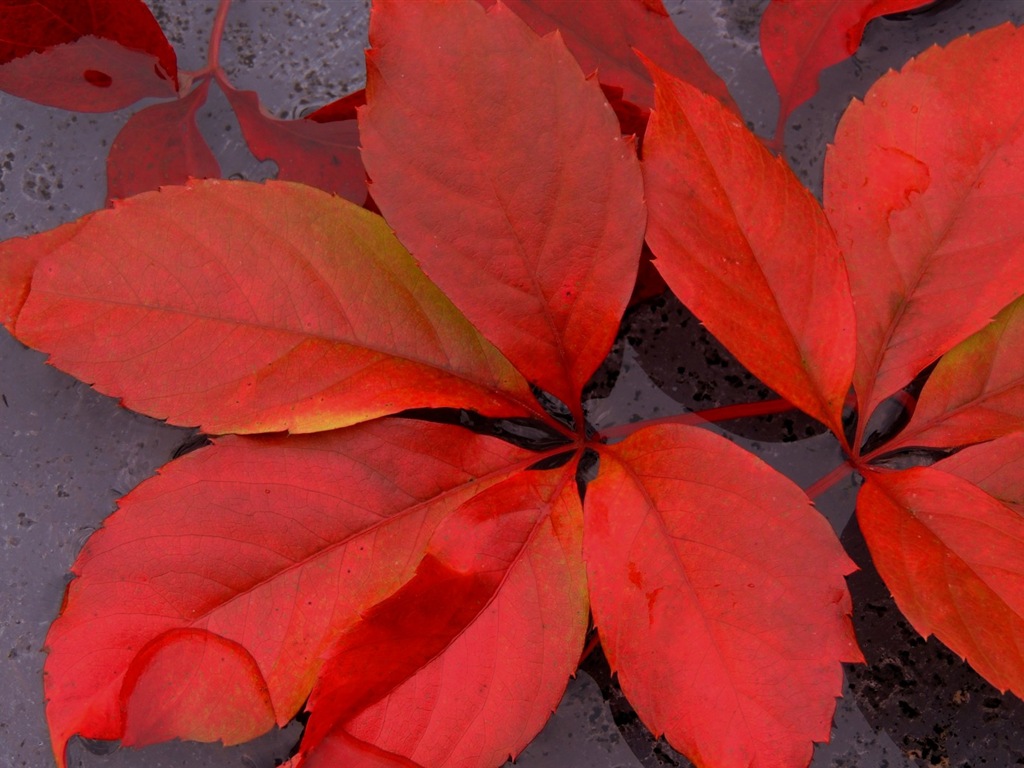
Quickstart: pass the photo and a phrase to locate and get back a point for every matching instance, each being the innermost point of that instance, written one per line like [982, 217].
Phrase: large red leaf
[321, 153]
[464, 664]
[160, 145]
[951, 556]
[243, 307]
[910, 186]
[976, 392]
[233, 572]
[725, 632]
[745, 246]
[86, 55]
[502, 169]
[800, 38]
[604, 42]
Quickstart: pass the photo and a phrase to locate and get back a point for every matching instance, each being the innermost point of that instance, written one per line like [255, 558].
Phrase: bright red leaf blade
[604, 42]
[910, 186]
[802, 38]
[160, 145]
[243, 307]
[951, 556]
[976, 391]
[494, 620]
[997, 467]
[324, 154]
[725, 636]
[85, 55]
[236, 568]
[502, 169]
[747, 248]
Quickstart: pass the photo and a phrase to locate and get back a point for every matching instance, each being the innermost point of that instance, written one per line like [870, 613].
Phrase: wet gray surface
[67, 453]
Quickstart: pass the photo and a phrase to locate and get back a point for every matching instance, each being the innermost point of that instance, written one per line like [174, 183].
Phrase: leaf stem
[825, 482]
[216, 35]
[721, 413]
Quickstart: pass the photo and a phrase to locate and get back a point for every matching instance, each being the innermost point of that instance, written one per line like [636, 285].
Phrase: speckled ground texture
[66, 453]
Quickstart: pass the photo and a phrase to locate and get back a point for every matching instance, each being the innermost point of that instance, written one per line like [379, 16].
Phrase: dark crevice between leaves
[554, 407]
[894, 413]
[932, 9]
[192, 443]
[524, 433]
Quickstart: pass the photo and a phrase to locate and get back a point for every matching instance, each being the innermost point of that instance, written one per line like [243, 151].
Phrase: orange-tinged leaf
[726, 636]
[323, 154]
[242, 307]
[911, 184]
[249, 556]
[952, 556]
[465, 663]
[976, 392]
[502, 169]
[741, 242]
[160, 145]
[604, 42]
[800, 38]
[85, 55]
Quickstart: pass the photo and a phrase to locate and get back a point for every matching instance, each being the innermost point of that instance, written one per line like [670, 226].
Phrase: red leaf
[502, 170]
[741, 242]
[248, 557]
[976, 392]
[465, 663]
[910, 186]
[951, 556]
[280, 307]
[605, 42]
[801, 38]
[997, 467]
[160, 145]
[725, 636]
[85, 55]
[323, 154]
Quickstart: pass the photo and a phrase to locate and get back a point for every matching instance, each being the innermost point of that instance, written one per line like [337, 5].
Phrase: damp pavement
[67, 453]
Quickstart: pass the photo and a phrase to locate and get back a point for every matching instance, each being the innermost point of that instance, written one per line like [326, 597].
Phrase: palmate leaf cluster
[423, 591]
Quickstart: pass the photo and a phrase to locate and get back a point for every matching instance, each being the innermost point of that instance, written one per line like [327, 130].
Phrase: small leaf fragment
[725, 636]
[801, 38]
